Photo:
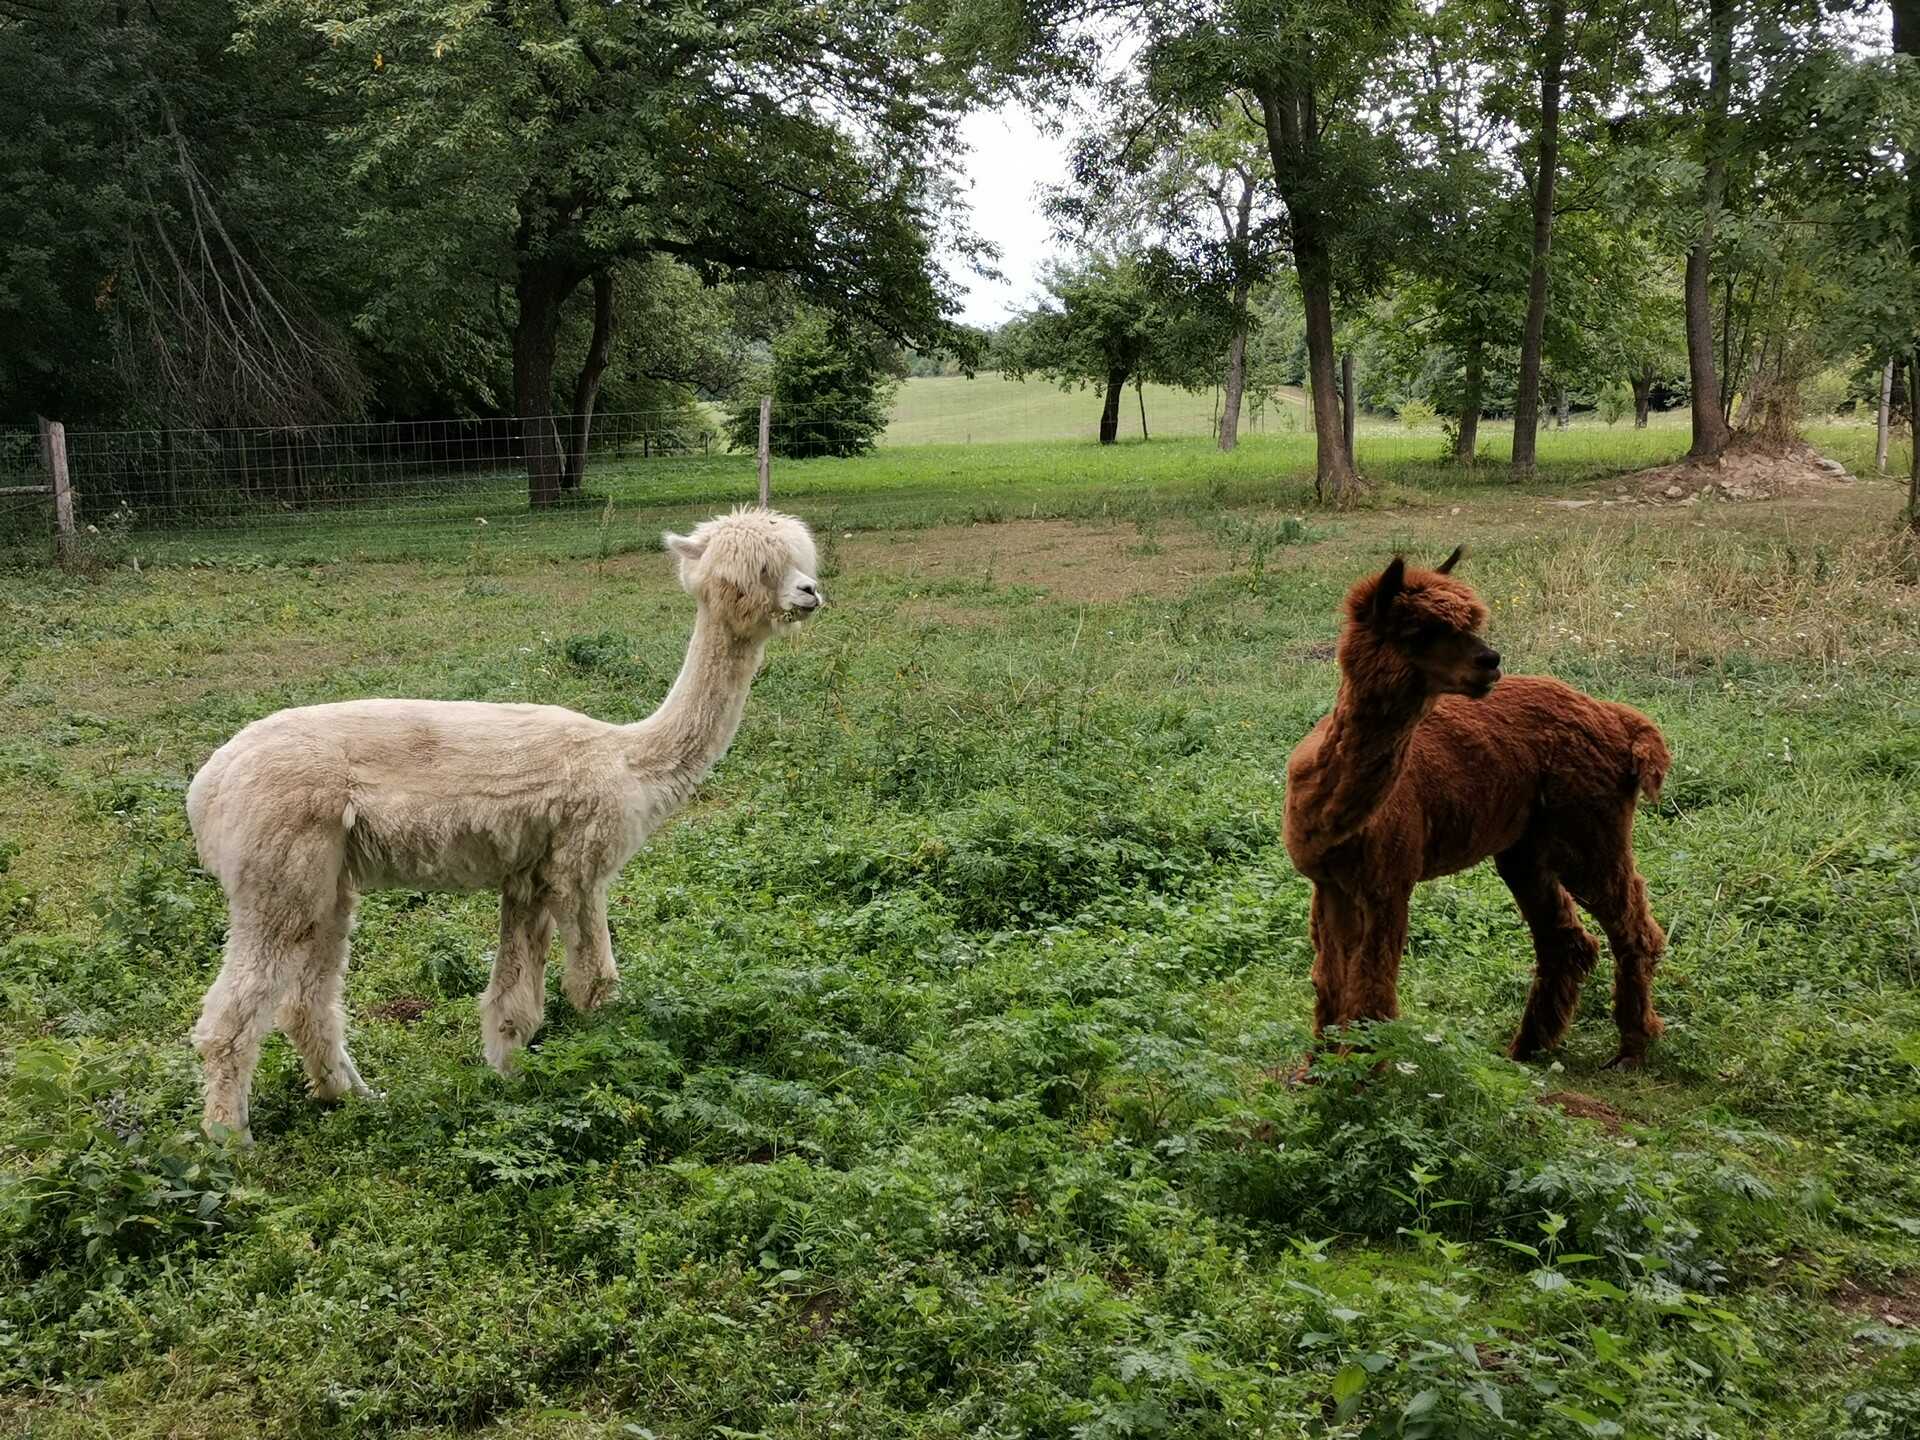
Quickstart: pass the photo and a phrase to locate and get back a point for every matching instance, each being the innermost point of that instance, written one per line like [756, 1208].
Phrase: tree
[1546, 167]
[1710, 430]
[1906, 44]
[831, 392]
[1110, 321]
[1306, 67]
[1447, 331]
[558, 139]
[1196, 186]
[153, 195]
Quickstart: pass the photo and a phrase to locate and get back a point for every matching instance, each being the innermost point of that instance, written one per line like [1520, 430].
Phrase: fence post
[53, 452]
[766, 435]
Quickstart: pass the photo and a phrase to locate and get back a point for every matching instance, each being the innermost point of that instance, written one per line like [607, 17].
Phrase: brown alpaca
[1429, 763]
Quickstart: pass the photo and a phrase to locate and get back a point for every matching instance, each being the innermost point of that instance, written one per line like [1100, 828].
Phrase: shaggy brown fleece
[1430, 763]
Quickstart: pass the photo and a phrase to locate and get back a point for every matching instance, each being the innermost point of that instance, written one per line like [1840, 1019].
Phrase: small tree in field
[831, 393]
[1108, 321]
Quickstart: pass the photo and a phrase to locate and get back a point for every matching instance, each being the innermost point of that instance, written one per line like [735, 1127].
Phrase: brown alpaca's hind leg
[1616, 896]
[1563, 951]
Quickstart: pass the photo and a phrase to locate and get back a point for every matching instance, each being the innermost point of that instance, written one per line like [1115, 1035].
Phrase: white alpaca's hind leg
[591, 978]
[313, 1012]
[236, 1016]
[514, 1005]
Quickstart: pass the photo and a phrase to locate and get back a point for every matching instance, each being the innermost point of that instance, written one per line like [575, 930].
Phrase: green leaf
[1351, 1380]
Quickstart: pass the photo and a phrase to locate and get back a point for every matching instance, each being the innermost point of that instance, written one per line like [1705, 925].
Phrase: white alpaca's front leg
[514, 1005]
[591, 978]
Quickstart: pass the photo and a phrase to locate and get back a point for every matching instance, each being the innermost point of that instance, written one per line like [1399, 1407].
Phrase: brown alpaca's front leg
[1357, 945]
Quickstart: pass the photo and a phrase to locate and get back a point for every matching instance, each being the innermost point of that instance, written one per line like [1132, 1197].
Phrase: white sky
[1011, 160]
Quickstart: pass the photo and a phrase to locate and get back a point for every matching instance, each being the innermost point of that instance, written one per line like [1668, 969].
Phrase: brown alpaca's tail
[1651, 759]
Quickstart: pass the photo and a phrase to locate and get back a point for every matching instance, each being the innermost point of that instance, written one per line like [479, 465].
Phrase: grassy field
[940, 1096]
[992, 409]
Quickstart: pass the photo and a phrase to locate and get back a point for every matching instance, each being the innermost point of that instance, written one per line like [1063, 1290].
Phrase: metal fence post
[766, 435]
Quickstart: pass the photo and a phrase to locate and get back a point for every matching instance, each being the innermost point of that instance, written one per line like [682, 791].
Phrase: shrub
[1825, 394]
[831, 394]
[1614, 403]
[103, 1186]
[1417, 414]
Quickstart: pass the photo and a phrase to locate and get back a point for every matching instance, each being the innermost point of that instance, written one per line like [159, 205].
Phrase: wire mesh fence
[559, 481]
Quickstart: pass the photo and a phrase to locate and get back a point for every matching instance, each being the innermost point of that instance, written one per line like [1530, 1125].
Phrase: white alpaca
[301, 811]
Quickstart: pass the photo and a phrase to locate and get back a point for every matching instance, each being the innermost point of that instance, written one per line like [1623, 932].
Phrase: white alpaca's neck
[684, 739]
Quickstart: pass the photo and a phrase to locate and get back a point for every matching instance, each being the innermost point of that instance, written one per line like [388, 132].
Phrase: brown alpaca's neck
[685, 738]
[1363, 752]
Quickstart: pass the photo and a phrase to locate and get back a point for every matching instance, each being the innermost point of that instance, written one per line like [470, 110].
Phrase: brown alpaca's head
[1427, 620]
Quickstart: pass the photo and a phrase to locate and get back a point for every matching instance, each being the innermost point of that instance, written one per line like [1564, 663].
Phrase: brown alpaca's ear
[1391, 582]
[1459, 553]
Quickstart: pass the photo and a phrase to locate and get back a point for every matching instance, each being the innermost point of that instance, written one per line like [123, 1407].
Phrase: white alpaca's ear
[685, 546]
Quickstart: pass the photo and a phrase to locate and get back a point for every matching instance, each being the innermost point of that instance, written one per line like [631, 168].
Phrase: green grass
[939, 1097]
[993, 409]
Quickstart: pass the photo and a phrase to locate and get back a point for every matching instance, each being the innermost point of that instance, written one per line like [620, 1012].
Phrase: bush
[1614, 403]
[1417, 414]
[103, 1186]
[1825, 394]
[831, 394]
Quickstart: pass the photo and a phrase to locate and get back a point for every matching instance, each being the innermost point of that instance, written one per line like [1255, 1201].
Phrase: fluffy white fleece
[302, 811]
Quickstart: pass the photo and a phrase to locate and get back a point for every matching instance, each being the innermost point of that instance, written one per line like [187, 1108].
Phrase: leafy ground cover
[941, 1097]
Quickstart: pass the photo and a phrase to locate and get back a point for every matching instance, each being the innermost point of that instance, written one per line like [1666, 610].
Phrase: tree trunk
[1710, 430]
[1236, 370]
[1913, 436]
[1293, 139]
[1642, 388]
[1140, 394]
[1885, 416]
[586, 389]
[541, 289]
[1906, 41]
[1348, 402]
[1242, 228]
[1110, 413]
[1466, 444]
[1561, 401]
[1526, 405]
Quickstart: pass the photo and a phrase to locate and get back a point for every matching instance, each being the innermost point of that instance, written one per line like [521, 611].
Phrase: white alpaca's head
[753, 568]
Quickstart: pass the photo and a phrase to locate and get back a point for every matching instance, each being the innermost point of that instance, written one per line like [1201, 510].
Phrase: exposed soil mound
[1585, 1107]
[402, 1009]
[1745, 472]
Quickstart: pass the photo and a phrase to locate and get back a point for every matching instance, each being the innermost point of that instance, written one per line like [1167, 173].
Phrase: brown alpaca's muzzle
[1486, 673]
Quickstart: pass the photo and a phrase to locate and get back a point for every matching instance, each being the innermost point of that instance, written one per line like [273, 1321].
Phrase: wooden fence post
[766, 436]
[53, 453]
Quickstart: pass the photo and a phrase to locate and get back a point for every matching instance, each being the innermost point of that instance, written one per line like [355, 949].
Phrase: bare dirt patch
[402, 1009]
[822, 1314]
[1585, 1107]
[1743, 473]
[1897, 1305]
[1074, 562]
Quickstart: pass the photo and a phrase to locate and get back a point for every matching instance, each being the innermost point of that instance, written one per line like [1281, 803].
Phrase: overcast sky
[1011, 160]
